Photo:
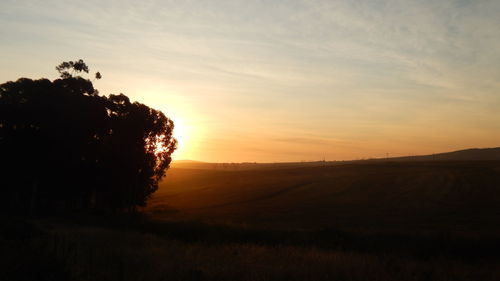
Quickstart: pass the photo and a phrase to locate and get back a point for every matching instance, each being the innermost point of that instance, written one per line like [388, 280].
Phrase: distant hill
[473, 154]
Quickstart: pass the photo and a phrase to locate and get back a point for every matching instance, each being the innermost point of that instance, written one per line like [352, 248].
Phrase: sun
[182, 136]
[179, 132]
[178, 108]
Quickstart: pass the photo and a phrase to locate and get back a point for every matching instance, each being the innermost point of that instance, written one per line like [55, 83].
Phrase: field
[387, 196]
[372, 220]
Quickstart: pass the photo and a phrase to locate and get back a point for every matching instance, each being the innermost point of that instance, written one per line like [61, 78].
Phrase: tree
[74, 66]
[65, 146]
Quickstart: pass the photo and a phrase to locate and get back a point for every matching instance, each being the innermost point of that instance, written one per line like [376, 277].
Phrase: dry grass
[89, 253]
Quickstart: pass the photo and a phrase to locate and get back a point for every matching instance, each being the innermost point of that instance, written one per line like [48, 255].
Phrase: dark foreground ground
[372, 221]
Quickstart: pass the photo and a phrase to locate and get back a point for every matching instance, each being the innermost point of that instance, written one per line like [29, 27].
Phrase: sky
[273, 81]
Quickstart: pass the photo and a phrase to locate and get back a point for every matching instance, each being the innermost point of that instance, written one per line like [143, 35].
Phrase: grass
[62, 251]
[368, 221]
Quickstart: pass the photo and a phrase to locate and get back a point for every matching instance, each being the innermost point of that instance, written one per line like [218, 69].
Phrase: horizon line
[348, 160]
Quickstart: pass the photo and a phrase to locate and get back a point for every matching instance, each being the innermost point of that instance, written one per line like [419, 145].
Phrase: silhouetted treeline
[63, 146]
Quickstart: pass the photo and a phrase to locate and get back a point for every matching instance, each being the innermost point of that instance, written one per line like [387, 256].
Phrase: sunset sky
[277, 80]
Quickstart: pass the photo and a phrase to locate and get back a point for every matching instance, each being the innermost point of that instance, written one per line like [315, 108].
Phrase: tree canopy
[65, 146]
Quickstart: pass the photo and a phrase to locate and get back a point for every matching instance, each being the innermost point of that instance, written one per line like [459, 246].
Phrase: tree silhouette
[74, 66]
[64, 146]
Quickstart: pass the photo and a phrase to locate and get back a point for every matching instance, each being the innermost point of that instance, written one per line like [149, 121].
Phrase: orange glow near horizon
[211, 131]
